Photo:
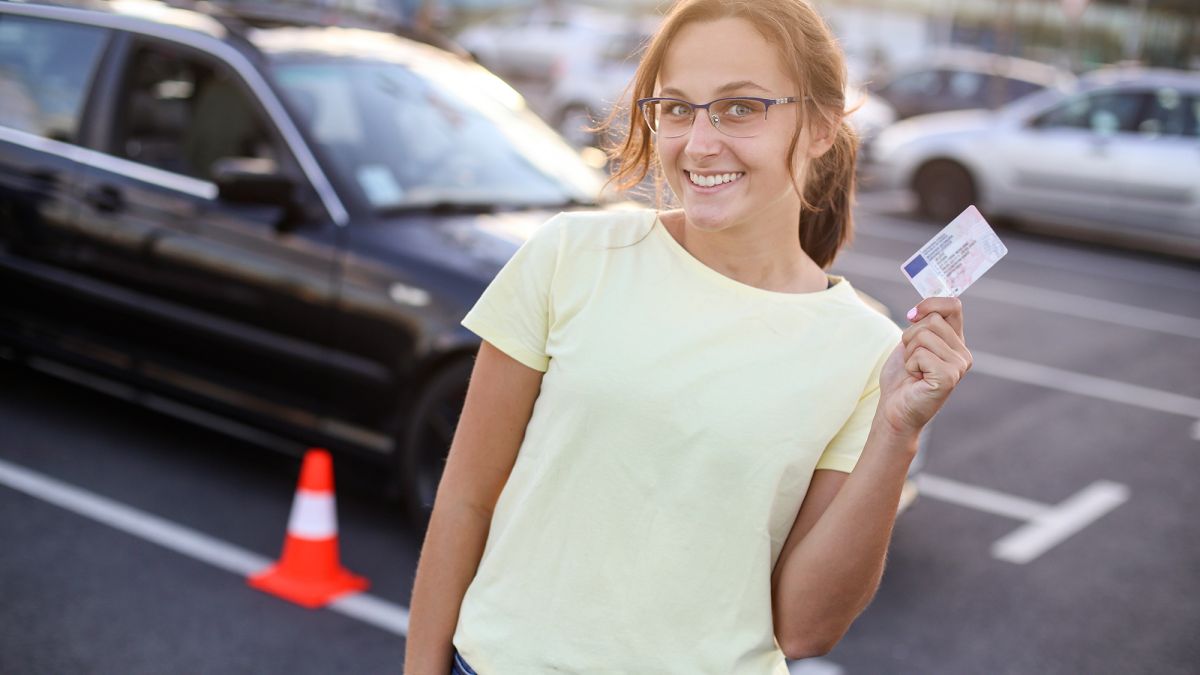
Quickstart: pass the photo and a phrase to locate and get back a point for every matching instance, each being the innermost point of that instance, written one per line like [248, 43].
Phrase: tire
[944, 188]
[427, 436]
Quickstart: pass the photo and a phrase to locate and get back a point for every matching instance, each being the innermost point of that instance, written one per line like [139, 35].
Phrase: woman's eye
[678, 110]
[741, 109]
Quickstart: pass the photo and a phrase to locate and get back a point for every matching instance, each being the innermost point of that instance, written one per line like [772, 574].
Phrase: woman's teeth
[715, 179]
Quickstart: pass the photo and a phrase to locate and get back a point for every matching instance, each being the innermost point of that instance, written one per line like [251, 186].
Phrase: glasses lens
[740, 117]
[669, 118]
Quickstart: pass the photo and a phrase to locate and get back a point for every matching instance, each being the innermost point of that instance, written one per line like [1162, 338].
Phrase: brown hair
[813, 58]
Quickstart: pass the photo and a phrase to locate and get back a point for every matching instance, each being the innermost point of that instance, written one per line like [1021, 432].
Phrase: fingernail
[912, 313]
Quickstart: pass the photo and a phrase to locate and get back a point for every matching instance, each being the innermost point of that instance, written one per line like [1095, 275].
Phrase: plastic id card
[955, 258]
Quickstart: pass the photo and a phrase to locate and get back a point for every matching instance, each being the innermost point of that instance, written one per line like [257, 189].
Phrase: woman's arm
[498, 406]
[832, 560]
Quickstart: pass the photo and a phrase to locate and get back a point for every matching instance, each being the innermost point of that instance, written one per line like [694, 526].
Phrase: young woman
[652, 471]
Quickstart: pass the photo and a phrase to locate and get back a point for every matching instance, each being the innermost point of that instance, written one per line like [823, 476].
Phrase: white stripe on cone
[314, 515]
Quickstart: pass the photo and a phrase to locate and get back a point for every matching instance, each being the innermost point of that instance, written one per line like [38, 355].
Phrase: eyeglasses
[740, 117]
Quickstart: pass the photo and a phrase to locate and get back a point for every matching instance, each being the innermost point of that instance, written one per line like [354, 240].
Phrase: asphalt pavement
[1055, 532]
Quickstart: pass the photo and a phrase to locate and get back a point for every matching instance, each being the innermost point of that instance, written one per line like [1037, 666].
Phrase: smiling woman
[684, 443]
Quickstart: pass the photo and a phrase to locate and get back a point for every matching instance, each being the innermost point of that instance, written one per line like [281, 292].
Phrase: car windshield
[441, 135]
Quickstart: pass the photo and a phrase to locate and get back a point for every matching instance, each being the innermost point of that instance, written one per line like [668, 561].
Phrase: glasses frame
[714, 119]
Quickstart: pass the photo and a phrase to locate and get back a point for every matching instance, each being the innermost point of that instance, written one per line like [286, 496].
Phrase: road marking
[814, 667]
[1085, 385]
[982, 499]
[1034, 297]
[1046, 525]
[186, 541]
[1053, 527]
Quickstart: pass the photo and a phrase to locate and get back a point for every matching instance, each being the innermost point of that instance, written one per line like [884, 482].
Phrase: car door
[46, 71]
[1062, 165]
[222, 303]
[1160, 161]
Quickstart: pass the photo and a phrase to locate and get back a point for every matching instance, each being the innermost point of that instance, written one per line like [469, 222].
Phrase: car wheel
[427, 438]
[944, 189]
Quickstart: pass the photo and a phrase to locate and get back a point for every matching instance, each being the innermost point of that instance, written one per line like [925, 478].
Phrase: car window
[1170, 113]
[413, 134]
[45, 69]
[181, 114]
[1103, 112]
[920, 83]
[1014, 89]
[967, 87]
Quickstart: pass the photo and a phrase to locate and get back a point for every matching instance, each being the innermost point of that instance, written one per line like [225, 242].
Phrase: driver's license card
[956, 257]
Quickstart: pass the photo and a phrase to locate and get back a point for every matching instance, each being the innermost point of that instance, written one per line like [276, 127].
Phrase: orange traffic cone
[309, 573]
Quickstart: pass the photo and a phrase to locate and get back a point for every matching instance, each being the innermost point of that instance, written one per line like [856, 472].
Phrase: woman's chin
[708, 218]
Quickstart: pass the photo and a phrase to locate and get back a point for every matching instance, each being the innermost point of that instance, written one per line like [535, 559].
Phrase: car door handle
[44, 179]
[105, 198]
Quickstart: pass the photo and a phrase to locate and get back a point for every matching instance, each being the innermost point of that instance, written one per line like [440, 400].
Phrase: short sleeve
[514, 312]
[843, 451]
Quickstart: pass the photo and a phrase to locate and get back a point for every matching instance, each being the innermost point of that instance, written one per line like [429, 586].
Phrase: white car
[870, 114]
[1116, 157]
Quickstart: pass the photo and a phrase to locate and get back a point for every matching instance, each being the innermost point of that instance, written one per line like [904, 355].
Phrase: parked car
[571, 63]
[870, 114]
[270, 231]
[1116, 157]
[965, 79]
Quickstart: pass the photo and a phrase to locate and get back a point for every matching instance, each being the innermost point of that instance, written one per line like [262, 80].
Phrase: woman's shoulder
[608, 227]
[871, 316]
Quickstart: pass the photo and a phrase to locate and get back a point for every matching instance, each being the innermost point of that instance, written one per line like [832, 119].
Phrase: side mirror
[247, 180]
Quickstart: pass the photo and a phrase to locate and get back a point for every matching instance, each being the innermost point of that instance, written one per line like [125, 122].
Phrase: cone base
[306, 592]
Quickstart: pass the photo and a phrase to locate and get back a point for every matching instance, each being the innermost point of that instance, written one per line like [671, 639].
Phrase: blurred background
[230, 227]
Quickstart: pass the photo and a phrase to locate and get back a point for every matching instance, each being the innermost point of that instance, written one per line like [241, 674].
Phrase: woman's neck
[763, 257]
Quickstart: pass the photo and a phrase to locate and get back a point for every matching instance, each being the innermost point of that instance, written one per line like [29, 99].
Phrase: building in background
[1077, 34]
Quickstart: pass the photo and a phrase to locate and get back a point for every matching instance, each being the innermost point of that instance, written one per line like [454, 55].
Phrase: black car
[272, 231]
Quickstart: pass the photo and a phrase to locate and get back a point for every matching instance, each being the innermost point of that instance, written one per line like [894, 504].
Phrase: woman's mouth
[713, 179]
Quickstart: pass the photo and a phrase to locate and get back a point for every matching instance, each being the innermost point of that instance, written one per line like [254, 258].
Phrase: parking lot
[1055, 532]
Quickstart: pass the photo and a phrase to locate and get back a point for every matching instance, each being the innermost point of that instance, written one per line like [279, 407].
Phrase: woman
[652, 471]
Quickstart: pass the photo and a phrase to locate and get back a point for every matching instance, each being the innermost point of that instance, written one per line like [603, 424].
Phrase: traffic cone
[309, 572]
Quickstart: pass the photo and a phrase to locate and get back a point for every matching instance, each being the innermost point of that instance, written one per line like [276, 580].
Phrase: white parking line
[1046, 527]
[814, 667]
[1035, 297]
[982, 499]
[1085, 385]
[1060, 522]
[196, 545]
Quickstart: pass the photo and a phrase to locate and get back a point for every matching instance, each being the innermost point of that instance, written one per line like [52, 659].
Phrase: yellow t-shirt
[681, 416]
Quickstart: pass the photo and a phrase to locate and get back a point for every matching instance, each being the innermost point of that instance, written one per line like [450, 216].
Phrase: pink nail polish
[912, 313]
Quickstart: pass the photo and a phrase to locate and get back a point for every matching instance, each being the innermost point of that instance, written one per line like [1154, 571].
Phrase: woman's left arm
[832, 561]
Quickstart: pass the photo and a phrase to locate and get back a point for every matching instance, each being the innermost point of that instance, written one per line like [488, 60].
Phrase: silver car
[1116, 157]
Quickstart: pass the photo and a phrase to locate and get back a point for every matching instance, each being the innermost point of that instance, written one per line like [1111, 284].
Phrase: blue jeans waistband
[461, 667]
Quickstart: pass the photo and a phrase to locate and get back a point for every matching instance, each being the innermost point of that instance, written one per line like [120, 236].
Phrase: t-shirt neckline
[839, 283]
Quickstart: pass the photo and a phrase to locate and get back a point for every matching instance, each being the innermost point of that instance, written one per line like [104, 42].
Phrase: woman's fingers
[949, 308]
[940, 327]
[959, 359]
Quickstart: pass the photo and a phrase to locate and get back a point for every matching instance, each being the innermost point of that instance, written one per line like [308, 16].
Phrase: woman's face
[719, 59]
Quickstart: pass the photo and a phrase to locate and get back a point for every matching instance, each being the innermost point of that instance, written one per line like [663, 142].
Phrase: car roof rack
[241, 15]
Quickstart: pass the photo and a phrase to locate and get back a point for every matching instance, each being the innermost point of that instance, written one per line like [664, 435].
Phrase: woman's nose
[703, 137]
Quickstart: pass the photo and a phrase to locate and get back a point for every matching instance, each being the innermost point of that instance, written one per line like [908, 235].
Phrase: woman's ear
[823, 137]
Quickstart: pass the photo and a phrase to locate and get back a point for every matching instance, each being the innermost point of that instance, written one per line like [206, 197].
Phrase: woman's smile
[713, 180]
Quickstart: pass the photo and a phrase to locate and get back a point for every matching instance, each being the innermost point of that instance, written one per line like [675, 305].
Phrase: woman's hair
[813, 59]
